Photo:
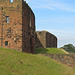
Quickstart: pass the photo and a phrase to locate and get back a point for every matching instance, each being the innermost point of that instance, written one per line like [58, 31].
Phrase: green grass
[49, 50]
[17, 63]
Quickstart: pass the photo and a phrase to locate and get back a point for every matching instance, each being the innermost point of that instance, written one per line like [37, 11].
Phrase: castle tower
[17, 26]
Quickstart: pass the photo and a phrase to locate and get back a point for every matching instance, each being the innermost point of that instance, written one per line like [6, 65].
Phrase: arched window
[11, 1]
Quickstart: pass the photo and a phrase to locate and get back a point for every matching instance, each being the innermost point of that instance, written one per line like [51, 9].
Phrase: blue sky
[57, 17]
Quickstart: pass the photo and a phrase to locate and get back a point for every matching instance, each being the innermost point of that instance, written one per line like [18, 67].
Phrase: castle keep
[17, 26]
[45, 39]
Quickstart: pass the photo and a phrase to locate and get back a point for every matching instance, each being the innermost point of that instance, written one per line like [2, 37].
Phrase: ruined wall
[25, 28]
[18, 31]
[40, 39]
[68, 59]
[45, 39]
[28, 28]
[32, 30]
[51, 40]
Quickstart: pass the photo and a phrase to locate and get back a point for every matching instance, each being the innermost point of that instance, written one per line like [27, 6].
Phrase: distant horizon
[56, 17]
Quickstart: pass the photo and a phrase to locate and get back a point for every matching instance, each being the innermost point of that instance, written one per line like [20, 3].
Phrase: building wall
[28, 28]
[45, 39]
[25, 27]
[12, 31]
[51, 40]
[40, 39]
[18, 31]
[48, 39]
[32, 30]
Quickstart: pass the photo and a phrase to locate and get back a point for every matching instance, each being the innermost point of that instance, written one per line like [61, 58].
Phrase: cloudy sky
[57, 17]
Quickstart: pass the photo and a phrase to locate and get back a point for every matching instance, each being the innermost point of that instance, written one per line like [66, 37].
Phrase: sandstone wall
[45, 39]
[12, 31]
[18, 32]
[40, 39]
[28, 27]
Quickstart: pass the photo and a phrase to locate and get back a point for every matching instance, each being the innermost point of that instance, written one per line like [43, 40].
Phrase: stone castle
[17, 28]
[17, 25]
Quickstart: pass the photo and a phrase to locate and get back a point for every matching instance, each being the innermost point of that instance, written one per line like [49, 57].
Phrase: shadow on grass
[40, 50]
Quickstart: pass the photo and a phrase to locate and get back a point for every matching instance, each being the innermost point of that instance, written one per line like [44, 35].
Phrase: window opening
[6, 43]
[7, 19]
[11, 1]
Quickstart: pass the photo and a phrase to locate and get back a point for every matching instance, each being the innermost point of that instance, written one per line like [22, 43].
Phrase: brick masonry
[45, 39]
[20, 31]
[68, 59]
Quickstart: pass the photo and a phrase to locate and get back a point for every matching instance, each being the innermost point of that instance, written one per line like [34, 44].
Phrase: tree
[70, 48]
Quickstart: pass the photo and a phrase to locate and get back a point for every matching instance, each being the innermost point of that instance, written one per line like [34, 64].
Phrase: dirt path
[64, 51]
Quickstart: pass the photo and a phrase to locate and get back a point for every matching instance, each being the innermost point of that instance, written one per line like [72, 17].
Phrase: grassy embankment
[17, 63]
[50, 50]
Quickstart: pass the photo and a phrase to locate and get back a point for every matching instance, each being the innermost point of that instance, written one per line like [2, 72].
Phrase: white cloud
[51, 4]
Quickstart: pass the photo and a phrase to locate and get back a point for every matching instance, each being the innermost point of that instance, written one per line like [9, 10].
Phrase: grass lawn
[49, 50]
[17, 63]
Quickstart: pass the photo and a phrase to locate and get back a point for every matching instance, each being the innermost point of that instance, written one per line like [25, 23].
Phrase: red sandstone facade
[17, 26]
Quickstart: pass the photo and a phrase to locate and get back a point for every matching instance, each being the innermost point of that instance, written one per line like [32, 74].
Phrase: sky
[57, 17]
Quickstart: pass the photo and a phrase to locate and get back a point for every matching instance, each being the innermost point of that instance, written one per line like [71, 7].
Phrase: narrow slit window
[7, 19]
[6, 43]
[11, 1]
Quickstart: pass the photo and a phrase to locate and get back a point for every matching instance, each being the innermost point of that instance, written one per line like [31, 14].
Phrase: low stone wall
[68, 59]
